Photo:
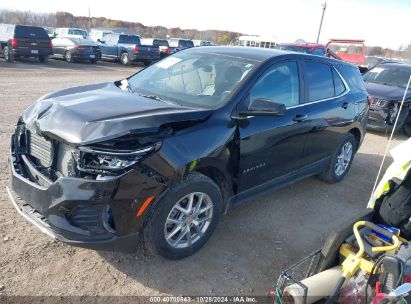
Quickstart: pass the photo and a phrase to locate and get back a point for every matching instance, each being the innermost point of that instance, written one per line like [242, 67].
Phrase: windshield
[192, 78]
[396, 76]
[294, 48]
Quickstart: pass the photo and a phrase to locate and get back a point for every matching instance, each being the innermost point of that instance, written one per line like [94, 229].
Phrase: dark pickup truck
[127, 48]
[24, 41]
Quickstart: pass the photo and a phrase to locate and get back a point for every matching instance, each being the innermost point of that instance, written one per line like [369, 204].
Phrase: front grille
[379, 102]
[40, 148]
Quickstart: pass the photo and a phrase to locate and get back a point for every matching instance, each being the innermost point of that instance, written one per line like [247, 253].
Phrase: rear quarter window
[30, 32]
[353, 77]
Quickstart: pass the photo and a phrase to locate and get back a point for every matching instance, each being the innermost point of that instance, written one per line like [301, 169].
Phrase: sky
[386, 23]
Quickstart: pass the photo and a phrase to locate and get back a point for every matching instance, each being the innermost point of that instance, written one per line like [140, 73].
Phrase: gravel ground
[245, 255]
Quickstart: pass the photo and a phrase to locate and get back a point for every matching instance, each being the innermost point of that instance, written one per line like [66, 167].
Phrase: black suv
[161, 154]
[386, 83]
[24, 41]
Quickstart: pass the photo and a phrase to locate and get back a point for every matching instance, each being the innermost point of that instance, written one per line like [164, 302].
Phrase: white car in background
[70, 32]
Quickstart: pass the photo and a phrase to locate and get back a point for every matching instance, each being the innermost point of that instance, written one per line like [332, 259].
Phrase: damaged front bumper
[382, 118]
[95, 214]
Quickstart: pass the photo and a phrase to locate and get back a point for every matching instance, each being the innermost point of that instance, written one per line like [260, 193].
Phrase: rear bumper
[83, 55]
[141, 57]
[29, 52]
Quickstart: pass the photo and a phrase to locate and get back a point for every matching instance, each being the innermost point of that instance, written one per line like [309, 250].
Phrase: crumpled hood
[93, 113]
[387, 92]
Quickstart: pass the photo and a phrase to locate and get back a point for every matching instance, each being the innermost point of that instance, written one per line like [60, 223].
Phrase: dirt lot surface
[245, 255]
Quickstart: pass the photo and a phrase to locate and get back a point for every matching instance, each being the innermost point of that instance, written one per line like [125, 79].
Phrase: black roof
[261, 54]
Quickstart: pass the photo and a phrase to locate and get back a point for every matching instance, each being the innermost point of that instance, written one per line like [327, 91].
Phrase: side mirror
[264, 107]
[101, 41]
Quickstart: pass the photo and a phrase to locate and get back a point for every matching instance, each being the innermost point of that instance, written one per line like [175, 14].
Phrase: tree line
[64, 19]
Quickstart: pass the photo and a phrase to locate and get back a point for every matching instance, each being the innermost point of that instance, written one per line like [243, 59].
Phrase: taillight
[369, 100]
[136, 50]
[51, 44]
[168, 51]
[14, 42]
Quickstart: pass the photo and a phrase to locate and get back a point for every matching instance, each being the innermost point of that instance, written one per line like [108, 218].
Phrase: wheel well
[216, 176]
[357, 134]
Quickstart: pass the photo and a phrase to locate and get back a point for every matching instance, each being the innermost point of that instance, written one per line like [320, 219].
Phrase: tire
[147, 62]
[93, 61]
[8, 55]
[332, 174]
[68, 56]
[407, 129]
[125, 59]
[158, 225]
[43, 59]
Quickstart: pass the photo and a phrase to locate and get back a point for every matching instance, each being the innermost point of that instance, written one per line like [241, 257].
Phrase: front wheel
[341, 160]
[184, 218]
[8, 55]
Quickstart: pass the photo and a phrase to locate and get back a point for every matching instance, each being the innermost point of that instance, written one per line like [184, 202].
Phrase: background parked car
[202, 43]
[308, 48]
[178, 44]
[73, 49]
[127, 48]
[386, 84]
[24, 41]
[161, 43]
[71, 32]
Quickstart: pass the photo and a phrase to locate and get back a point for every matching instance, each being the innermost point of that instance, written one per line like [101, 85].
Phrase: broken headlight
[100, 161]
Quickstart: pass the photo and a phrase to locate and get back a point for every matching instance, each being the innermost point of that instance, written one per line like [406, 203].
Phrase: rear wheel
[125, 59]
[184, 218]
[8, 55]
[147, 62]
[43, 59]
[68, 56]
[341, 160]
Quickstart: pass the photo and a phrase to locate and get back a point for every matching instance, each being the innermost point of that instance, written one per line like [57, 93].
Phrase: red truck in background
[350, 50]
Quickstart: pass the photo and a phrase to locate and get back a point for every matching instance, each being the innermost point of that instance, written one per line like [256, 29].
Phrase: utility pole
[89, 21]
[321, 23]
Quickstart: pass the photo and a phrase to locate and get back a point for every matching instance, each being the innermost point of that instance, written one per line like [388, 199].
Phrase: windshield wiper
[152, 96]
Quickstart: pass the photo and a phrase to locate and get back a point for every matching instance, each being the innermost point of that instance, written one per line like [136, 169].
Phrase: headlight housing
[99, 161]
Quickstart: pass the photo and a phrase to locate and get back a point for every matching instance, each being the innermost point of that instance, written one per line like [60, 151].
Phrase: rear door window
[319, 80]
[30, 32]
